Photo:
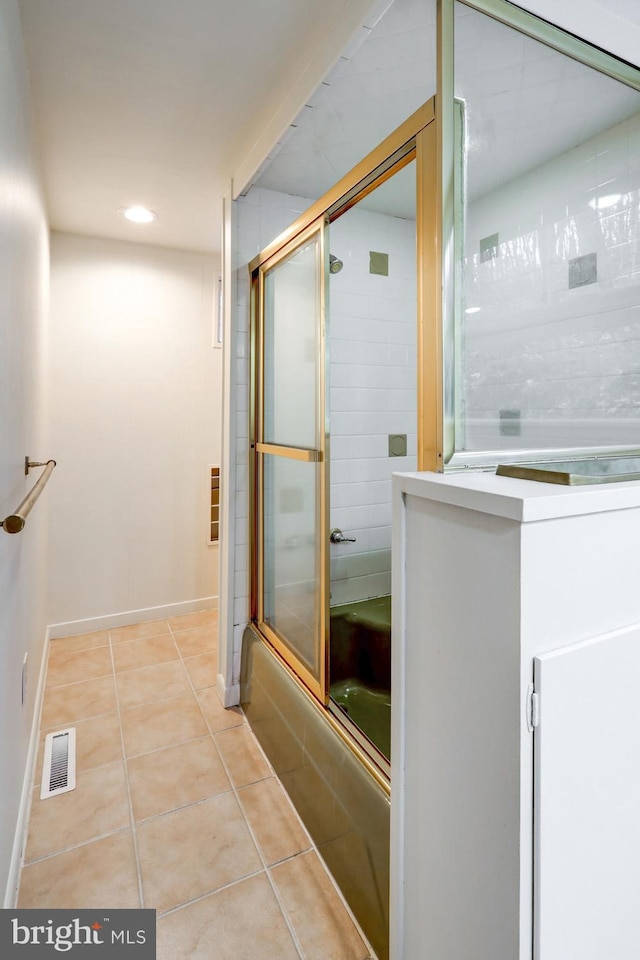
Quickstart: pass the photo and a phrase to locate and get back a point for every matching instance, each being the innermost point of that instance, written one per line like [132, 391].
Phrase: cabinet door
[587, 801]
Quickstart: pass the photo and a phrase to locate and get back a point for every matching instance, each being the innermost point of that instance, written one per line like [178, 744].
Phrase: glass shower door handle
[337, 536]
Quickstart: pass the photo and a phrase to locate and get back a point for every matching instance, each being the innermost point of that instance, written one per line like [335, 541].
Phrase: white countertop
[522, 500]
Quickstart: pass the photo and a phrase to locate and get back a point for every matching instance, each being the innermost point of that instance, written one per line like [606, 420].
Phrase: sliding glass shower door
[290, 452]
[291, 532]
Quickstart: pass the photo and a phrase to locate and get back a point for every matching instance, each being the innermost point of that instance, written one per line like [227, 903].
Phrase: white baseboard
[112, 620]
[230, 696]
[22, 822]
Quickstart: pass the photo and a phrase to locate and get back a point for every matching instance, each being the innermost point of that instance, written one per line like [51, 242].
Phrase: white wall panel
[135, 421]
[24, 272]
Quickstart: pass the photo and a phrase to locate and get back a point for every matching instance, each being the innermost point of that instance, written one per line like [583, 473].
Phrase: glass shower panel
[373, 402]
[291, 356]
[291, 573]
[548, 235]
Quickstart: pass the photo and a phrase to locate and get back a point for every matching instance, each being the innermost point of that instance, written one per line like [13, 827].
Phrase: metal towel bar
[16, 521]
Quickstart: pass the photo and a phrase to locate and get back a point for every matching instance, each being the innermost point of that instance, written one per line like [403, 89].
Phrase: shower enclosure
[336, 333]
[493, 320]
[335, 347]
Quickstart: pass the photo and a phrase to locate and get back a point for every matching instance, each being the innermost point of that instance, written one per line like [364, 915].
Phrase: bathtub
[360, 666]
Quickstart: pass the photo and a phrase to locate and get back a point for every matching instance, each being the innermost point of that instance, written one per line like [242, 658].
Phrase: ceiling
[389, 72]
[525, 104]
[158, 102]
[161, 102]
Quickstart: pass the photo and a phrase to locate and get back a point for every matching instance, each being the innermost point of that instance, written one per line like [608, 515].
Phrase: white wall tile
[240, 612]
[536, 345]
[241, 559]
[374, 394]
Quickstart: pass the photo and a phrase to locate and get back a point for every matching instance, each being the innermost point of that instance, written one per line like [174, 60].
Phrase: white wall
[24, 285]
[566, 358]
[372, 349]
[135, 421]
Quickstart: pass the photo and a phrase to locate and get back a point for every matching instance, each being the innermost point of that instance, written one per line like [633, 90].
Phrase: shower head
[335, 265]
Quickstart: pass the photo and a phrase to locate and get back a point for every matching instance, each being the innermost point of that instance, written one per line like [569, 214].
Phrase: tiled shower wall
[567, 359]
[373, 384]
[372, 344]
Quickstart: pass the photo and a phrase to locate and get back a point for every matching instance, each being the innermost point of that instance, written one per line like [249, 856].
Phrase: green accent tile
[379, 263]
[489, 248]
[397, 444]
[583, 270]
[510, 425]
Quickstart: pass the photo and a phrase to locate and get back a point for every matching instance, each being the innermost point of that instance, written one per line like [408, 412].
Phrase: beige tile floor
[175, 807]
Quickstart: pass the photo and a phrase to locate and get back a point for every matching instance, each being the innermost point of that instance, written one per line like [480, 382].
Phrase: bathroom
[539, 321]
[536, 373]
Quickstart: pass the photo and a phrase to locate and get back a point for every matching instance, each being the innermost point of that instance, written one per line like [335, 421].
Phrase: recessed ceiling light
[138, 214]
[473, 309]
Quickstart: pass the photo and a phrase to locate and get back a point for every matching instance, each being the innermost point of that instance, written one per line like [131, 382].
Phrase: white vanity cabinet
[507, 841]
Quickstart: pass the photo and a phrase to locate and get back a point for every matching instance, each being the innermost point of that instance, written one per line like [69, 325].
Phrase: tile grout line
[152, 636]
[34, 785]
[161, 816]
[118, 713]
[312, 848]
[266, 868]
[54, 642]
[371, 955]
[234, 790]
[183, 806]
[208, 735]
[134, 835]
[211, 893]
[181, 659]
[270, 880]
[149, 753]
[74, 653]
[77, 846]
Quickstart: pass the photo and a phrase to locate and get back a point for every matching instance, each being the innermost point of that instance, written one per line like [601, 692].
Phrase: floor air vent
[59, 767]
